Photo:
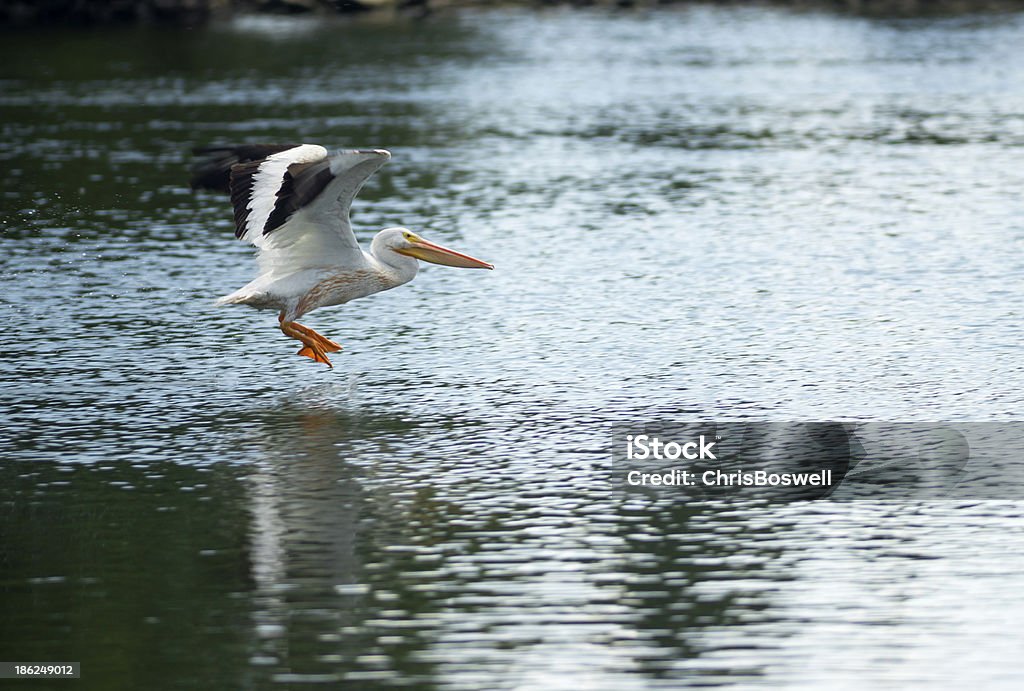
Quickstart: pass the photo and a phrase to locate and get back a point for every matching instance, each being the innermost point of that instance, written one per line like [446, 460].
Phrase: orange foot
[314, 346]
[326, 344]
[315, 354]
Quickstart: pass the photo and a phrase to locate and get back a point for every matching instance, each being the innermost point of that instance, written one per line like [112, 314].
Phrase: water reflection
[306, 507]
[132, 567]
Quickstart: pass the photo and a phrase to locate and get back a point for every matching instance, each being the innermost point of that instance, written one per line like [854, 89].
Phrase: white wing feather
[267, 181]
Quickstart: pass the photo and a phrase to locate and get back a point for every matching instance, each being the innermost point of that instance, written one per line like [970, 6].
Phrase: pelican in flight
[292, 202]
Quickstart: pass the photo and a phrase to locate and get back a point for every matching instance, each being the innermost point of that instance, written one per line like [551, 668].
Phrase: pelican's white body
[296, 290]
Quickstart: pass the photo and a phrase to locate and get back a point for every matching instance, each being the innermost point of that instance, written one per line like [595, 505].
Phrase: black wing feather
[303, 182]
[214, 171]
[242, 176]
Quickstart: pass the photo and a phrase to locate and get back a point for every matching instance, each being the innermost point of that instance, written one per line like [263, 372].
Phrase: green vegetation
[193, 12]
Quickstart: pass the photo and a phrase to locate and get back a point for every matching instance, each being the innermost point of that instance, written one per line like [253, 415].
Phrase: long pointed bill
[435, 254]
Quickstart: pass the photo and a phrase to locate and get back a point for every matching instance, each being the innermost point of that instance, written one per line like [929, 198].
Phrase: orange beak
[436, 254]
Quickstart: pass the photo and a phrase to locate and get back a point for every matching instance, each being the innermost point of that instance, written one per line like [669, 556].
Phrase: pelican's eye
[408, 236]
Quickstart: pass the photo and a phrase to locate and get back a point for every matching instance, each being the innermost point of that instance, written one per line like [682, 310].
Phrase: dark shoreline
[197, 12]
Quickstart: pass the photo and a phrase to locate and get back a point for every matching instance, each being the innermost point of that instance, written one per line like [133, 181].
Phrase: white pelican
[292, 202]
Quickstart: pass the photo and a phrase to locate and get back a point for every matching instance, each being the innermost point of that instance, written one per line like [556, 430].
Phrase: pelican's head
[404, 241]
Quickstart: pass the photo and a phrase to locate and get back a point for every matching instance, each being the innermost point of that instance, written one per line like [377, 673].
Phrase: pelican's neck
[399, 268]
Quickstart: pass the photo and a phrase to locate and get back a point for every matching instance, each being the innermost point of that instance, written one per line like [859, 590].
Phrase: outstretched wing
[294, 203]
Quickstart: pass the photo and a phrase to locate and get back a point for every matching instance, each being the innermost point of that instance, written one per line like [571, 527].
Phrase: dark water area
[695, 213]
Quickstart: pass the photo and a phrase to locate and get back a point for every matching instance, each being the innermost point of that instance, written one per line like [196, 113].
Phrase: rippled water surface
[706, 213]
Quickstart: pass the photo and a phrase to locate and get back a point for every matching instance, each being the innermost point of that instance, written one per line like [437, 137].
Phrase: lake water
[711, 213]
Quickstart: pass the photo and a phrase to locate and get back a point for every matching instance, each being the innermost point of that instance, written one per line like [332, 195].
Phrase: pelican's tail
[251, 295]
[239, 297]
